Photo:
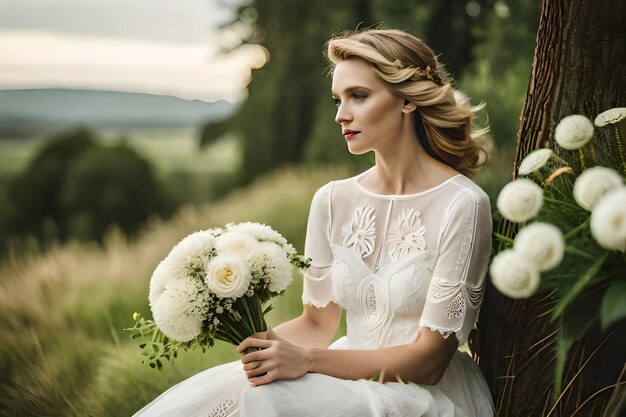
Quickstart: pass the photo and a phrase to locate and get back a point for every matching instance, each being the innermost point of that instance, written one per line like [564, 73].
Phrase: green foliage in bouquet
[571, 241]
[212, 285]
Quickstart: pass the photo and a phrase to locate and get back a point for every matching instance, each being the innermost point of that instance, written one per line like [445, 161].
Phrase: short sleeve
[317, 286]
[456, 288]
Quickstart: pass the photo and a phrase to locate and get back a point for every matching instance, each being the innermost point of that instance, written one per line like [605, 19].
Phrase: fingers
[259, 355]
[253, 342]
[258, 371]
[261, 380]
[251, 365]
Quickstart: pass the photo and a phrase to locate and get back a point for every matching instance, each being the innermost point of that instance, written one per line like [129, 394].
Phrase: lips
[349, 134]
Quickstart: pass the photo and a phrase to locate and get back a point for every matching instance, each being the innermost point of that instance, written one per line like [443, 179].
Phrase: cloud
[180, 21]
[40, 59]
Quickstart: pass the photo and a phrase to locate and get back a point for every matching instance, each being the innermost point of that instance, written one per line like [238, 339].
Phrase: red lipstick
[349, 134]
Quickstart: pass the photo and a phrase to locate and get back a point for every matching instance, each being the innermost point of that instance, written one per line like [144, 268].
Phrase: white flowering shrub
[571, 231]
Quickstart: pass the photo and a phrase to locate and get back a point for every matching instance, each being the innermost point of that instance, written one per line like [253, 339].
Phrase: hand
[277, 359]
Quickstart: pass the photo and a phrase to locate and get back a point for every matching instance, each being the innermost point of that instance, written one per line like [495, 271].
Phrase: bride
[403, 247]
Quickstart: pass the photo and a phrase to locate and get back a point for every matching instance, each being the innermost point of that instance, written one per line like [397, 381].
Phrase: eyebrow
[351, 89]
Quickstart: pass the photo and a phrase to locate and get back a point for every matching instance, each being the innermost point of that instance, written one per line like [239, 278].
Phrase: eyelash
[356, 96]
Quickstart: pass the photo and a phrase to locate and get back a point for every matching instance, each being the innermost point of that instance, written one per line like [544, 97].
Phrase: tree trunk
[579, 68]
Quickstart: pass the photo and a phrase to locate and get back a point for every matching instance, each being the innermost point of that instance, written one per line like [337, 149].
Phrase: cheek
[384, 108]
[384, 116]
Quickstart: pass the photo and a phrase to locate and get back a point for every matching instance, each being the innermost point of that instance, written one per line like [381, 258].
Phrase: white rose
[236, 243]
[228, 276]
[593, 183]
[514, 276]
[520, 200]
[534, 160]
[541, 244]
[179, 310]
[573, 132]
[608, 220]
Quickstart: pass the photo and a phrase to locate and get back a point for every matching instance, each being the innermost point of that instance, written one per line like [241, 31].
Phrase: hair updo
[443, 118]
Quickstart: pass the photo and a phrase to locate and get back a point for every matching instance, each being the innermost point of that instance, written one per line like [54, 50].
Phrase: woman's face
[369, 113]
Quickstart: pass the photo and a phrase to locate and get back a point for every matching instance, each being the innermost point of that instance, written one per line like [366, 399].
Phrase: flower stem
[578, 286]
[577, 229]
[555, 201]
[620, 147]
[583, 163]
[502, 237]
[578, 252]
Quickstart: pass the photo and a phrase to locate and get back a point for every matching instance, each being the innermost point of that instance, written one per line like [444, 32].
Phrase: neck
[404, 167]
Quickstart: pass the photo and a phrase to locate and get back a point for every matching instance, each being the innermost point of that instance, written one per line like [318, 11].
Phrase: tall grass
[62, 348]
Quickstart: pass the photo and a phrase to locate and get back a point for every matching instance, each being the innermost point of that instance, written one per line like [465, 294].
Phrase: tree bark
[579, 67]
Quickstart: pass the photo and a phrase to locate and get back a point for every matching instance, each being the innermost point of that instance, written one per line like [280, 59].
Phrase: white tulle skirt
[224, 391]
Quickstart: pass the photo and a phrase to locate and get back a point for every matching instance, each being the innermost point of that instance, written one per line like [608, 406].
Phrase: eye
[359, 96]
[336, 101]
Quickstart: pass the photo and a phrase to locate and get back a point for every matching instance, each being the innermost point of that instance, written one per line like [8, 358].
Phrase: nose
[343, 114]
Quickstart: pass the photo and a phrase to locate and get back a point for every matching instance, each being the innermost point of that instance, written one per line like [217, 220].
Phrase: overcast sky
[150, 46]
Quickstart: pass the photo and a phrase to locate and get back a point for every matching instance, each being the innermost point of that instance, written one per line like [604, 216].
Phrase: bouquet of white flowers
[212, 285]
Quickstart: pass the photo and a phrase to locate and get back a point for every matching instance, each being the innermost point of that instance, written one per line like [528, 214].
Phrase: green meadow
[63, 350]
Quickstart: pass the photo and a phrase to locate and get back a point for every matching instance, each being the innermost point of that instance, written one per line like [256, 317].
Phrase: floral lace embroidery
[406, 235]
[223, 409]
[359, 233]
[456, 307]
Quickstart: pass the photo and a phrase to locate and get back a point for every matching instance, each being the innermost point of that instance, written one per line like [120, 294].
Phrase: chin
[357, 150]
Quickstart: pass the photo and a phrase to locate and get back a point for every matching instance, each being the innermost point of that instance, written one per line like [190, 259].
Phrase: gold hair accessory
[429, 74]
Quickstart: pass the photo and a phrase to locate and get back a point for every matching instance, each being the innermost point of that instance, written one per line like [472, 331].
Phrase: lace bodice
[398, 262]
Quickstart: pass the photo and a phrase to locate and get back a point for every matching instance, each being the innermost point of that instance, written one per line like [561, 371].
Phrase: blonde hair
[411, 70]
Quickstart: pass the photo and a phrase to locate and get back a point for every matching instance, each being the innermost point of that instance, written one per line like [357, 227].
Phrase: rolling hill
[41, 111]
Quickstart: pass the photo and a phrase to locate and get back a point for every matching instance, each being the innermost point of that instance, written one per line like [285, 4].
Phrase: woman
[402, 247]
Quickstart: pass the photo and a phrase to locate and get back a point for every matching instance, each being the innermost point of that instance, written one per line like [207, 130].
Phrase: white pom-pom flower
[162, 274]
[180, 308]
[513, 275]
[192, 249]
[573, 132]
[520, 200]
[611, 116]
[258, 231]
[608, 220]
[236, 243]
[277, 265]
[541, 244]
[228, 276]
[593, 183]
[534, 160]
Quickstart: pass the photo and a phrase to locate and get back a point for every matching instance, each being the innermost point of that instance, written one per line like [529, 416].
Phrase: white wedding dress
[395, 263]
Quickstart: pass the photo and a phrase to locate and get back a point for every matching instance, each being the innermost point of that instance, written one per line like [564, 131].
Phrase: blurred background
[124, 126]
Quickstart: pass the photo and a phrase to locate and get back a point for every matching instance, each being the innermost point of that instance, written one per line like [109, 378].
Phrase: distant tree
[34, 194]
[498, 75]
[108, 186]
[76, 187]
[277, 120]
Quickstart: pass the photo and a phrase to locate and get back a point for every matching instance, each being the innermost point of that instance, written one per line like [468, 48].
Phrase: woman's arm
[423, 361]
[315, 328]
